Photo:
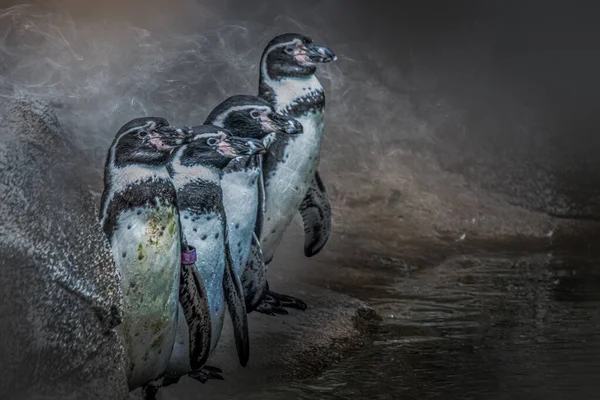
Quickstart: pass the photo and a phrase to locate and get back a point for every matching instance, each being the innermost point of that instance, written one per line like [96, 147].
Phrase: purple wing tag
[188, 257]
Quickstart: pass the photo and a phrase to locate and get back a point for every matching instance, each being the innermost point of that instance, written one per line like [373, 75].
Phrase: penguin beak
[168, 138]
[237, 147]
[320, 54]
[285, 124]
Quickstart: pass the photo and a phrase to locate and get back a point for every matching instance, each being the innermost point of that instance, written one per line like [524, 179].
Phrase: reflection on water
[484, 326]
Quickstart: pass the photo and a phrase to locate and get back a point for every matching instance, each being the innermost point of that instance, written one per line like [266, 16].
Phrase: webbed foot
[149, 392]
[205, 373]
[274, 303]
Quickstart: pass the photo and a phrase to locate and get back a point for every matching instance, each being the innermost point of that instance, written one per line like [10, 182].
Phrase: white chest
[206, 233]
[291, 91]
[240, 199]
[146, 248]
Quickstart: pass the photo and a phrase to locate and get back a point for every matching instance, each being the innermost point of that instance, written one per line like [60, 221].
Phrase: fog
[445, 120]
[447, 110]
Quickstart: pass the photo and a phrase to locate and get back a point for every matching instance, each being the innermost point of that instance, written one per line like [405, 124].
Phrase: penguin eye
[212, 141]
[143, 134]
[288, 50]
[254, 114]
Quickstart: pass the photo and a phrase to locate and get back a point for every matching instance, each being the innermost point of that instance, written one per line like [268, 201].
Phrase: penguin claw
[275, 303]
[287, 301]
[205, 373]
[212, 369]
[270, 309]
[149, 392]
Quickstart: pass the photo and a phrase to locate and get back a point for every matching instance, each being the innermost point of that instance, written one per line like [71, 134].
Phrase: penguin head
[148, 140]
[251, 117]
[293, 55]
[215, 147]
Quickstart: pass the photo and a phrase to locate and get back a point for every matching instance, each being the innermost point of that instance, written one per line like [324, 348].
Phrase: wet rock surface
[285, 348]
[503, 322]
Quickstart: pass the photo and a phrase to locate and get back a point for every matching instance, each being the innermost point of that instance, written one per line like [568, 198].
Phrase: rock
[60, 298]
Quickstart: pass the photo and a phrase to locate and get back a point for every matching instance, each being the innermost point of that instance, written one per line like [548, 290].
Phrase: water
[484, 325]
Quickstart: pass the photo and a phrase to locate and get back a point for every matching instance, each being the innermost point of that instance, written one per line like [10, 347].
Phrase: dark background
[499, 96]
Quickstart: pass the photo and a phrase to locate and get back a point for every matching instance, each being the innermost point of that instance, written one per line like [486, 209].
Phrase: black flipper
[234, 296]
[316, 215]
[193, 299]
[254, 278]
[261, 197]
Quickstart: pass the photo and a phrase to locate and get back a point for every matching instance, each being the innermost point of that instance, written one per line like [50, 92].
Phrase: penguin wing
[260, 212]
[194, 301]
[316, 215]
[254, 278]
[234, 296]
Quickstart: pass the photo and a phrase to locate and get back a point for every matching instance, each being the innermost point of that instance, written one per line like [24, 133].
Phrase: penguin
[243, 189]
[193, 336]
[292, 182]
[140, 218]
[195, 172]
[60, 298]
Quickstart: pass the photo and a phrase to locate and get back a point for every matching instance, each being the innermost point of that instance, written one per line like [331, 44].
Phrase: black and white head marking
[288, 67]
[210, 148]
[138, 156]
[251, 117]
[293, 55]
[144, 141]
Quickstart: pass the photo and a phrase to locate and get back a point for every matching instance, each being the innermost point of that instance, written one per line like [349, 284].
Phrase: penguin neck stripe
[219, 120]
[116, 184]
[181, 175]
[199, 136]
[263, 65]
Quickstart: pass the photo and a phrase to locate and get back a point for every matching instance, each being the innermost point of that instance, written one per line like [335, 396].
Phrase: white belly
[240, 199]
[205, 233]
[288, 186]
[146, 248]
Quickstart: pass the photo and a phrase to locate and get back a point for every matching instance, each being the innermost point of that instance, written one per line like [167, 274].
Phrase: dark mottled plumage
[254, 279]
[316, 215]
[311, 103]
[200, 197]
[192, 296]
[137, 196]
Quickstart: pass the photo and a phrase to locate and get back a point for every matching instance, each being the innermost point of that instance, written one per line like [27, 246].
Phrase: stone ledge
[295, 346]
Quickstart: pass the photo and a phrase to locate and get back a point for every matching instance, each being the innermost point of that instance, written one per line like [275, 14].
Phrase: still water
[483, 325]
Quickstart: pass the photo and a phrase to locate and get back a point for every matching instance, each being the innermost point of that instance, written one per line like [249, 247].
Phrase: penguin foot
[149, 392]
[274, 303]
[205, 373]
[270, 309]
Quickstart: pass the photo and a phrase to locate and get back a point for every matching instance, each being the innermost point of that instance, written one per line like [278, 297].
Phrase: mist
[446, 114]
[445, 122]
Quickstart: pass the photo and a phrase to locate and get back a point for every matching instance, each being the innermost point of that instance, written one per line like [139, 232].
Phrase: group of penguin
[194, 215]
